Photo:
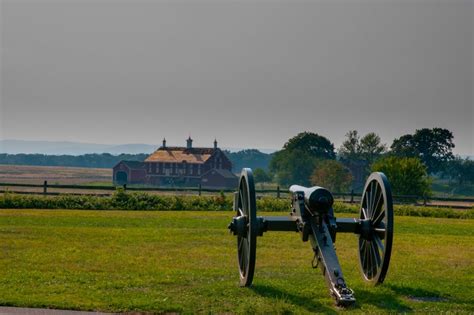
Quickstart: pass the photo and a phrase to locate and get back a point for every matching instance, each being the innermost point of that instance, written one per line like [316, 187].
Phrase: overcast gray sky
[251, 73]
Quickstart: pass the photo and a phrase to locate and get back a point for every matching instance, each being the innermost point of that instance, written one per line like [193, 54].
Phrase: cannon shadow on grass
[388, 301]
[394, 300]
[421, 295]
[302, 301]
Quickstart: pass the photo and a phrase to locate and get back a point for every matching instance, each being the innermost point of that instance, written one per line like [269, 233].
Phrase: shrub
[407, 176]
[122, 200]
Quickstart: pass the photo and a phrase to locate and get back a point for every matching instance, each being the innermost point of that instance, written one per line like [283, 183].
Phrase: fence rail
[351, 196]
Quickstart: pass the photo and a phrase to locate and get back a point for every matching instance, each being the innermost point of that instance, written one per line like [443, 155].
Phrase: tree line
[308, 158]
[104, 160]
[409, 162]
[244, 158]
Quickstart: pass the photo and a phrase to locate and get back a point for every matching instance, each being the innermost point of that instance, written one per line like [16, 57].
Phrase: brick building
[179, 166]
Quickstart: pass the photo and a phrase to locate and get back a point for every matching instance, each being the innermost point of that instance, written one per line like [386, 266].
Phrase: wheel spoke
[364, 213]
[379, 243]
[377, 259]
[242, 260]
[362, 253]
[380, 232]
[241, 198]
[379, 217]
[244, 202]
[367, 257]
[367, 203]
[374, 200]
[241, 241]
[372, 197]
[244, 256]
[369, 261]
[377, 207]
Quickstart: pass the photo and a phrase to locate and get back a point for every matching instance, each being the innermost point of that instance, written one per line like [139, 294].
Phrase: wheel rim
[246, 245]
[376, 217]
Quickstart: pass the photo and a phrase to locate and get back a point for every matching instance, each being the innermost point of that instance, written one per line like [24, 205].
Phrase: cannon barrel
[316, 198]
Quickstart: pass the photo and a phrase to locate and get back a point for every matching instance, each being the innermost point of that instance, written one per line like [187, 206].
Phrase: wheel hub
[366, 229]
[239, 226]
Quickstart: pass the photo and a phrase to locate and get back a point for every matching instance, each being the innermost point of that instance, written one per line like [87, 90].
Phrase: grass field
[185, 262]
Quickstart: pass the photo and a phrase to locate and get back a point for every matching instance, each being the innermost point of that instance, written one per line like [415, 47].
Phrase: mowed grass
[186, 262]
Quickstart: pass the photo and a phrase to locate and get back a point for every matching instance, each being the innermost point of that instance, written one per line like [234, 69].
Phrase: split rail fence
[350, 197]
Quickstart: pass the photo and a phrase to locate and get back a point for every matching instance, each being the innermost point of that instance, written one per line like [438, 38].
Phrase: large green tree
[295, 163]
[315, 145]
[433, 146]
[407, 176]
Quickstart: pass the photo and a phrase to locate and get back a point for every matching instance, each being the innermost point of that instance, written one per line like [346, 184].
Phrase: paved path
[44, 311]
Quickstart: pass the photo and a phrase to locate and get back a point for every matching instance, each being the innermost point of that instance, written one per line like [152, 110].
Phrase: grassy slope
[185, 261]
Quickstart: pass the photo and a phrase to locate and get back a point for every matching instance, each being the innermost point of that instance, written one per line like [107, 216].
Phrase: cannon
[312, 215]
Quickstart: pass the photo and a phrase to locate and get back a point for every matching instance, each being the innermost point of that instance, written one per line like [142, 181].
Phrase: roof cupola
[189, 143]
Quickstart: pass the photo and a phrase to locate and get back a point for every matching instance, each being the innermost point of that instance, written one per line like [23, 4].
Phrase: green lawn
[186, 262]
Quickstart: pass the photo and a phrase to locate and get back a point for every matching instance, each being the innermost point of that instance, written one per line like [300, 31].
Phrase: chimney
[164, 143]
[189, 143]
[215, 144]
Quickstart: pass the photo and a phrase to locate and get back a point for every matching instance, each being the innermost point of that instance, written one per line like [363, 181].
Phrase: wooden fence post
[278, 192]
[199, 189]
[45, 187]
[425, 201]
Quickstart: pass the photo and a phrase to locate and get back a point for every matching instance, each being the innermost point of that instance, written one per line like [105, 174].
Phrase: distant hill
[80, 148]
[70, 148]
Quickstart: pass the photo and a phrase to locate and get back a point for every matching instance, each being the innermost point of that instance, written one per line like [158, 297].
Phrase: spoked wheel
[376, 217]
[244, 225]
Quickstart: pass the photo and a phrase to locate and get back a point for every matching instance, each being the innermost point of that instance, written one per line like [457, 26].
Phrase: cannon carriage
[312, 216]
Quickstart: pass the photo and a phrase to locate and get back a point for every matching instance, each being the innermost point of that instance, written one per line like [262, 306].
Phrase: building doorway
[121, 178]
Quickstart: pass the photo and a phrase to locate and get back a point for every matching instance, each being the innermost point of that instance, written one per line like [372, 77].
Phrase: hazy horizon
[251, 74]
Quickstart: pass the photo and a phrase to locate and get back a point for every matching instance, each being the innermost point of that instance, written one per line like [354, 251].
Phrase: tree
[260, 176]
[292, 167]
[368, 148]
[296, 161]
[432, 146]
[332, 175]
[350, 148]
[461, 170]
[371, 147]
[315, 145]
[407, 176]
